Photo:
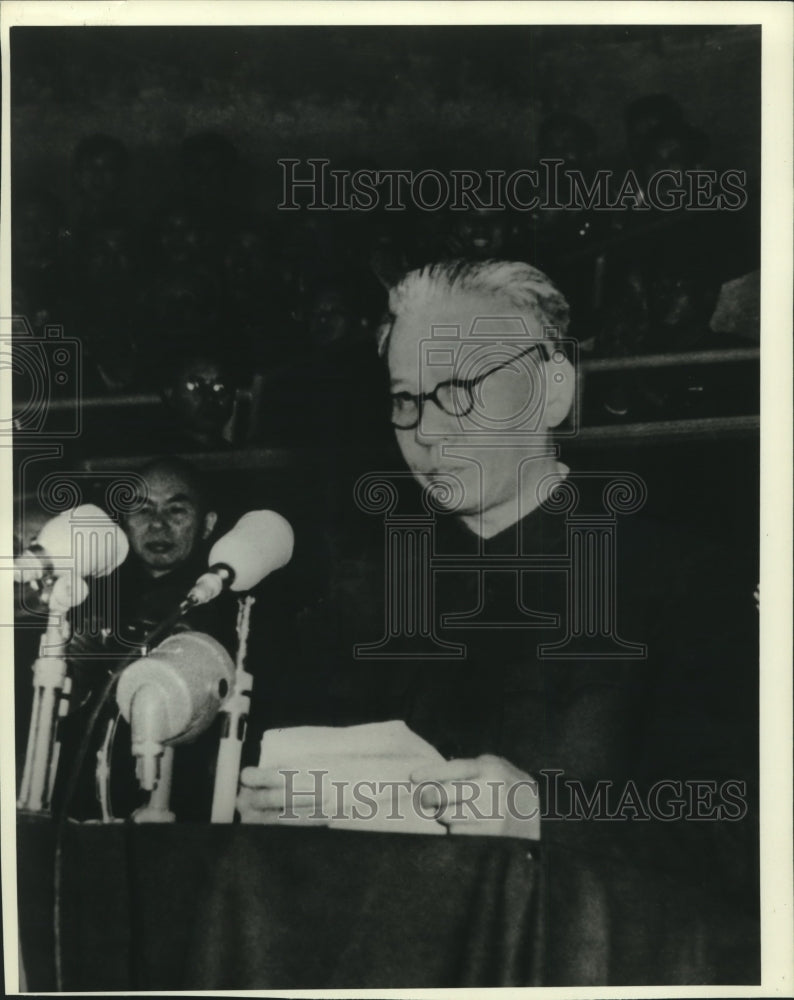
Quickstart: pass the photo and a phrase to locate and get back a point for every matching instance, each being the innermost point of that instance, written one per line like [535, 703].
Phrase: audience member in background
[389, 247]
[661, 300]
[663, 274]
[199, 393]
[658, 138]
[656, 132]
[670, 147]
[482, 234]
[337, 314]
[170, 532]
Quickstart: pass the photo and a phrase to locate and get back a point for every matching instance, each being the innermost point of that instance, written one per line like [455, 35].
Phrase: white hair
[522, 286]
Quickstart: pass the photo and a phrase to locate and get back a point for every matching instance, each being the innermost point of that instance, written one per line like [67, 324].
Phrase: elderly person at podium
[534, 631]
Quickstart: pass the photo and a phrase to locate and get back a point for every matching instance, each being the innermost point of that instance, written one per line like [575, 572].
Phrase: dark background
[397, 97]
[416, 97]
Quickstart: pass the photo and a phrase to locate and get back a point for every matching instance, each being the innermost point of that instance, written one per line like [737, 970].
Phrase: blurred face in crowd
[481, 234]
[669, 149]
[331, 319]
[202, 395]
[680, 306]
[171, 522]
[516, 400]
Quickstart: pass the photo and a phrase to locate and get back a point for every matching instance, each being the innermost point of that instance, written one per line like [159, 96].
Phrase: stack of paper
[353, 777]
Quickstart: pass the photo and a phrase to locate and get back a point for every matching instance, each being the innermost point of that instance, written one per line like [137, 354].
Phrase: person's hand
[481, 796]
[268, 796]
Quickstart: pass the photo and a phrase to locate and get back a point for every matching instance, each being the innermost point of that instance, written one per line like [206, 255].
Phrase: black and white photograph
[393, 451]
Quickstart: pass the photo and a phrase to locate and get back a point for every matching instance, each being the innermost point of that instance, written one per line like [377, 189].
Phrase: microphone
[84, 541]
[260, 542]
[67, 592]
[172, 695]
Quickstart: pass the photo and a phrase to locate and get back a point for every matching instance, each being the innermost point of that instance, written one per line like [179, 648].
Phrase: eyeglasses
[195, 384]
[454, 397]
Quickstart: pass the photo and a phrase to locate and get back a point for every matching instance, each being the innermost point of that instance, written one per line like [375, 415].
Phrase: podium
[223, 907]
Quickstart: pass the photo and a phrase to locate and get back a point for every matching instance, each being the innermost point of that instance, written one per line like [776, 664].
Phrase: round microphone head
[191, 674]
[67, 592]
[260, 542]
[84, 540]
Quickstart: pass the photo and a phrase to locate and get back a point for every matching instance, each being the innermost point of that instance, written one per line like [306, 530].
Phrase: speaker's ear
[560, 387]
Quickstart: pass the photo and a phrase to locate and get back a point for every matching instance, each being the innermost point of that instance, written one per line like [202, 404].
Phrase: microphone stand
[157, 809]
[235, 712]
[51, 687]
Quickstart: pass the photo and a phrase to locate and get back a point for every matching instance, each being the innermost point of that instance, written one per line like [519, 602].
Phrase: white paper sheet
[359, 775]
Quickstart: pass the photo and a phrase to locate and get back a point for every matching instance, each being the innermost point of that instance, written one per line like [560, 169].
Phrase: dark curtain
[200, 907]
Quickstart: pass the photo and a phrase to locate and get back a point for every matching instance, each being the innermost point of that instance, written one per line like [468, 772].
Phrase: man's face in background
[481, 234]
[165, 531]
[515, 405]
[202, 395]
